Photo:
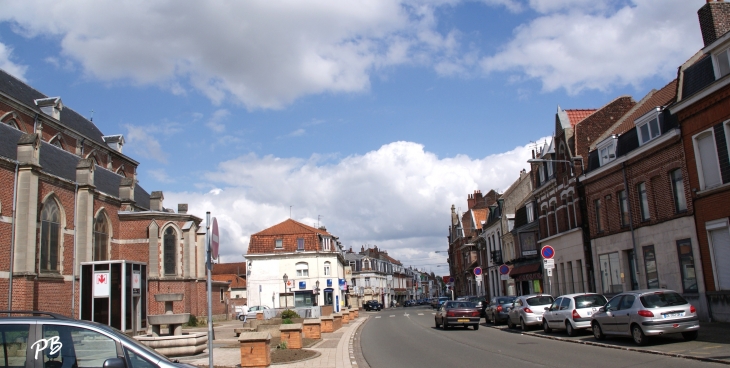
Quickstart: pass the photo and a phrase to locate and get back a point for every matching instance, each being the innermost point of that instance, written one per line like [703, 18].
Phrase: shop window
[610, 273]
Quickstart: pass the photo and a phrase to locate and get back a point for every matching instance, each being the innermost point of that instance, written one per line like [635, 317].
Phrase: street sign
[451, 280]
[503, 269]
[214, 240]
[548, 263]
[478, 271]
[478, 279]
[101, 284]
[549, 271]
[547, 252]
[504, 277]
[446, 279]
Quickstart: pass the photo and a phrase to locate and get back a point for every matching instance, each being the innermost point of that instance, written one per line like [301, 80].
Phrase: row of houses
[292, 264]
[632, 195]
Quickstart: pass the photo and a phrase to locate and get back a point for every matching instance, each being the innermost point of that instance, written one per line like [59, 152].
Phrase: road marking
[392, 315]
[377, 316]
[433, 314]
[420, 314]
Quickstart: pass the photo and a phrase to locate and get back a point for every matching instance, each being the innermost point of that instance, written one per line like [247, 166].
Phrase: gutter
[12, 240]
[73, 280]
[631, 222]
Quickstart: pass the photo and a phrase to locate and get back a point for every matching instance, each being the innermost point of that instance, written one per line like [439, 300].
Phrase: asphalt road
[407, 337]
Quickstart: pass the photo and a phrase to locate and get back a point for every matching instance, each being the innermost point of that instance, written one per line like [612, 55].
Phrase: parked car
[436, 302]
[480, 303]
[498, 308]
[251, 312]
[572, 312]
[372, 305]
[67, 342]
[641, 314]
[527, 310]
[457, 313]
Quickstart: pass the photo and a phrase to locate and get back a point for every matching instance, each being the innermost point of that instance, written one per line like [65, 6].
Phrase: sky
[370, 118]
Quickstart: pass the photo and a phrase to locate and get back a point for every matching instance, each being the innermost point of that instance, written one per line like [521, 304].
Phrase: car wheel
[597, 332]
[241, 318]
[509, 323]
[476, 327]
[638, 335]
[545, 327]
[570, 330]
[690, 335]
[523, 326]
[437, 322]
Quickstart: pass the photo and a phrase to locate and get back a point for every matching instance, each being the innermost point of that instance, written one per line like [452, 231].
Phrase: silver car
[572, 312]
[644, 313]
[527, 310]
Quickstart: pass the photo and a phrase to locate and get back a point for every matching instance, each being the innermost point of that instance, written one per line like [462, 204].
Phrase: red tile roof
[235, 281]
[655, 98]
[291, 227]
[236, 268]
[578, 115]
[480, 215]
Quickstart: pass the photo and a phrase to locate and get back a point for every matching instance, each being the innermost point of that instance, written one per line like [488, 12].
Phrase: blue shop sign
[302, 284]
[329, 282]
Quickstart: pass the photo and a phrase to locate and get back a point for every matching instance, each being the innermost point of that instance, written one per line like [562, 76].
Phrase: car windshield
[460, 305]
[540, 300]
[661, 299]
[505, 300]
[590, 301]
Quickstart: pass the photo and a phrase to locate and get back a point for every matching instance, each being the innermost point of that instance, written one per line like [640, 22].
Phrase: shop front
[527, 278]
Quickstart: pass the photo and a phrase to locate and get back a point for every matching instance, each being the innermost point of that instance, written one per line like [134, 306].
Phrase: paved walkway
[335, 349]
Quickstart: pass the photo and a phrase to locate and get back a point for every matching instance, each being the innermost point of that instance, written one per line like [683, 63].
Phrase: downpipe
[12, 240]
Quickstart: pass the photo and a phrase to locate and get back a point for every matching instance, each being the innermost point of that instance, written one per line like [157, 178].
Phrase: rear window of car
[460, 305]
[540, 300]
[505, 300]
[590, 301]
[658, 300]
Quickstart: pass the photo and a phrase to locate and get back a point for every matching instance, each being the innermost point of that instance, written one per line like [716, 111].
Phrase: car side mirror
[603, 310]
[547, 308]
[114, 363]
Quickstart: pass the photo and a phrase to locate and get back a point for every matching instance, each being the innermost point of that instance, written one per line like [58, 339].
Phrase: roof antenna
[91, 119]
[289, 211]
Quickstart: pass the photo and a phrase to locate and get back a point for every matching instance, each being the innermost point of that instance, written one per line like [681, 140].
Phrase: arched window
[169, 246]
[302, 269]
[50, 236]
[101, 238]
[13, 124]
[327, 268]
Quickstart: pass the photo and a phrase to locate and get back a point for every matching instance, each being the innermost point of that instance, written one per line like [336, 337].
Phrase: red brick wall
[267, 243]
[694, 119]
[588, 130]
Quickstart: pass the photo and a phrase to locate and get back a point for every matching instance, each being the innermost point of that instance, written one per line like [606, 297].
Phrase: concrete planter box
[255, 349]
[178, 345]
[312, 328]
[292, 335]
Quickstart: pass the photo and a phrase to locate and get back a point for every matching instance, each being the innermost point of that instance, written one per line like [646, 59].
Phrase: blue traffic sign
[451, 279]
[547, 252]
[477, 271]
[503, 269]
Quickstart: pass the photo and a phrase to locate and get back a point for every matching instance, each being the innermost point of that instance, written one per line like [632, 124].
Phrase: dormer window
[648, 126]
[722, 63]
[607, 149]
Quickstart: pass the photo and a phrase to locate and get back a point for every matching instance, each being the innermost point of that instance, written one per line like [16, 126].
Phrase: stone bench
[337, 324]
[255, 349]
[328, 324]
[238, 331]
[292, 335]
[312, 328]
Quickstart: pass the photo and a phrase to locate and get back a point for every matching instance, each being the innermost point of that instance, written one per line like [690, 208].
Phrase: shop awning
[521, 270]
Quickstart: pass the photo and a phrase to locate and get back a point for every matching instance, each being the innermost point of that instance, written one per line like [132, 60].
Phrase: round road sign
[503, 269]
[451, 279]
[214, 240]
[547, 252]
[477, 271]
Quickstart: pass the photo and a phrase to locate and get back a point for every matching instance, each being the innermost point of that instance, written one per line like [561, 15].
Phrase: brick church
[69, 196]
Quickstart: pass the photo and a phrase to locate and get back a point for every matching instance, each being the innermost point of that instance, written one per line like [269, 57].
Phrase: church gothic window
[169, 242]
[50, 236]
[101, 238]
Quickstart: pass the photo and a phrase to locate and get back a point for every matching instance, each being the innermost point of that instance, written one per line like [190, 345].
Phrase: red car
[458, 313]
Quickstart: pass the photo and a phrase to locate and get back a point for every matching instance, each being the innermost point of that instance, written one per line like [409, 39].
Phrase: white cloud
[16, 70]
[161, 176]
[141, 140]
[215, 121]
[264, 54]
[582, 45]
[398, 197]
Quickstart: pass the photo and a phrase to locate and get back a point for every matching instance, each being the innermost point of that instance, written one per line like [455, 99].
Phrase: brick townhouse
[557, 167]
[68, 195]
[642, 227]
[703, 113]
[524, 262]
[512, 198]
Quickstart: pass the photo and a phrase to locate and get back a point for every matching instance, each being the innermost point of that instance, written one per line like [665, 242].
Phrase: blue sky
[373, 116]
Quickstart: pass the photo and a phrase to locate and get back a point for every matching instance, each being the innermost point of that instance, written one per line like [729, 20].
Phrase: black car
[496, 311]
[372, 305]
[480, 303]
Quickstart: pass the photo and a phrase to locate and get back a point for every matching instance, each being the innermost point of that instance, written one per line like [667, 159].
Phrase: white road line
[420, 314]
[392, 315]
[377, 316]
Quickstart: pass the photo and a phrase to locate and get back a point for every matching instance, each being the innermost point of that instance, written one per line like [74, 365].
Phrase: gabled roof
[577, 115]
[236, 268]
[662, 97]
[235, 281]
[480, 214]
[292, 227]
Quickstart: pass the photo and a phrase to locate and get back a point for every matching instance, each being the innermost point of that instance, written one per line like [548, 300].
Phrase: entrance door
[328, 299]
[632, 271]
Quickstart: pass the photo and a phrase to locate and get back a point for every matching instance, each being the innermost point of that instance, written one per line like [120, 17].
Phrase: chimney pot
[714, 19]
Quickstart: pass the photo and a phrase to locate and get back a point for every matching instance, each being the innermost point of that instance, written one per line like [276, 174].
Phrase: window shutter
[721, 251]
[708, 160]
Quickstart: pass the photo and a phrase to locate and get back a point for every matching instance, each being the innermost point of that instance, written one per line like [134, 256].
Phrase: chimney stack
[182, 208]
[714, 20]
[156, 199]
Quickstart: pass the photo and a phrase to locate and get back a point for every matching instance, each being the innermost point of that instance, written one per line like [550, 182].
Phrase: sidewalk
[713, 343]
[335, 350]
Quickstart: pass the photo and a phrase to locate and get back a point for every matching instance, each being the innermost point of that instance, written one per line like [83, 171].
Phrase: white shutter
[709, 161]
[721, 252]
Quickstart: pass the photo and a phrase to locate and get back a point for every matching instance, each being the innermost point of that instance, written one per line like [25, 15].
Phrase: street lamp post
[286, 301]
[316, 288]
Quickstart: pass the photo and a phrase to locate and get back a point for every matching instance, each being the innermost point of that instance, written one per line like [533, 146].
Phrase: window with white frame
[367, 282]
[326, 244]
[280, 243]
[607, 150]
[542, 174]
[530, 212]
[680, 201]
[648, 126]
[722, 63]
[300, 244]
[302, 269]
[719, 236]
[549, 168]
[708, 165]
[327, 267]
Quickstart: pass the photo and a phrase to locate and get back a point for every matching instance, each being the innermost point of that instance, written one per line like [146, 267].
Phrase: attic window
[722, 63]
[648, 126]
[279, 243]
[607, 150]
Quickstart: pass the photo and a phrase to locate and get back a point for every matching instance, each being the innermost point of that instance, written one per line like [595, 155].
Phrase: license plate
[588, 313]
[462, 320]
[539, 318]
[670, 315]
